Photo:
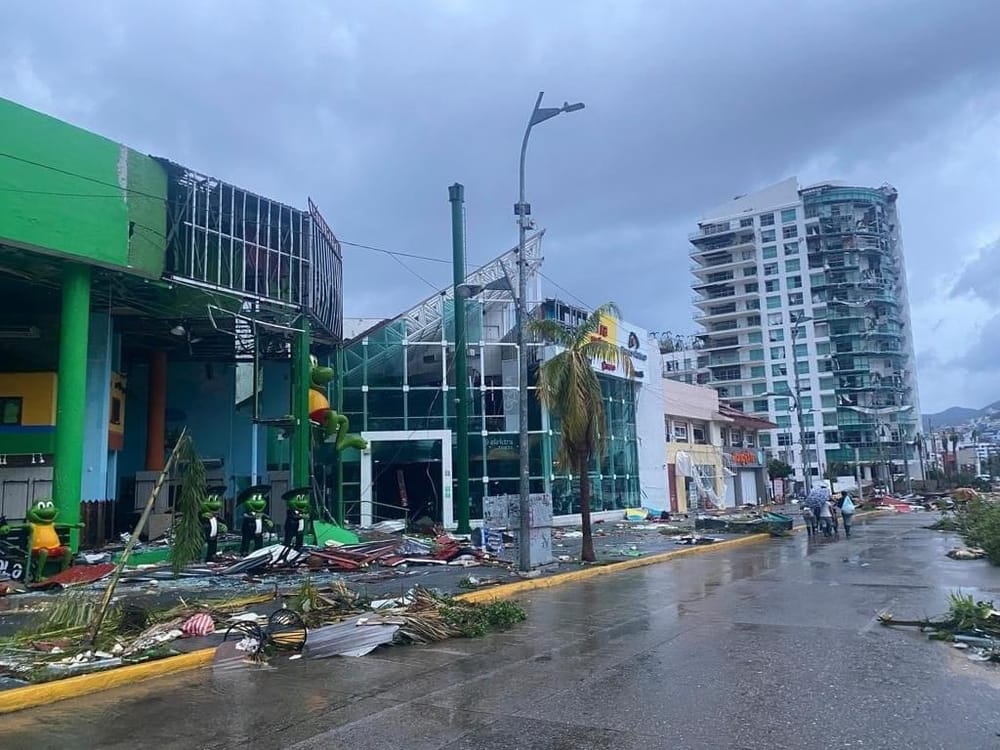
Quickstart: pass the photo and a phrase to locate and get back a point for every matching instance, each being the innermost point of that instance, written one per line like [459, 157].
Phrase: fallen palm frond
[967, 621]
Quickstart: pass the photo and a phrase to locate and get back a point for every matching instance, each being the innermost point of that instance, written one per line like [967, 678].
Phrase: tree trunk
[587, 553]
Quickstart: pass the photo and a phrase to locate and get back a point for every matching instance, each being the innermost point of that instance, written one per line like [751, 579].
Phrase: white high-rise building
[801, 298]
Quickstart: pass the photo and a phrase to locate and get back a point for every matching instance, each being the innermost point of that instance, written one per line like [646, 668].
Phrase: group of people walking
[823, 513]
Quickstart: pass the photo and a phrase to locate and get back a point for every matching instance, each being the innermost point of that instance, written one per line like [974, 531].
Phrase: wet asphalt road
[768, 645]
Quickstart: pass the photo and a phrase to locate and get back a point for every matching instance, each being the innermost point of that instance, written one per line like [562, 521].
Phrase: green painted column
[338, 385]
[456, 195]
[71, 396]
[301, 367]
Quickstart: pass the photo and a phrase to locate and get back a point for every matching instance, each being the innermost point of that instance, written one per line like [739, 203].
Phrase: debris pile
[971, 626]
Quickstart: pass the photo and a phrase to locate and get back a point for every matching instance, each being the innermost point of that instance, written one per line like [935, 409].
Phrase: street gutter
[32, 696]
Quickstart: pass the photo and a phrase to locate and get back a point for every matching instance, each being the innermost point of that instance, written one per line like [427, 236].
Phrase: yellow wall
[38, 389]
[703, 455]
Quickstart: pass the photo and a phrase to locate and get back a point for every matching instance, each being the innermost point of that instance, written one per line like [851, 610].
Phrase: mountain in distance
[956, 415]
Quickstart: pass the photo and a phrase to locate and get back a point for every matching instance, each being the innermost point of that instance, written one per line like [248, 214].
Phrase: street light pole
[806, 463]
[522, 210]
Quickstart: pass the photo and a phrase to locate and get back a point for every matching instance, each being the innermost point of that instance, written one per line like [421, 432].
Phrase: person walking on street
[846, 511]
[809, 519]
[826, 518]
[834, 517]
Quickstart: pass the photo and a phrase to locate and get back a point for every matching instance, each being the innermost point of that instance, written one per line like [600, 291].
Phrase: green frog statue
[255, 520]
[43, 537]
[296, 516]
[211, 526]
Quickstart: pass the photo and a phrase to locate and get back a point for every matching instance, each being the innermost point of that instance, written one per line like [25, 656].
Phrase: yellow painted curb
[84, 684]
[33, 696]
[529, 584]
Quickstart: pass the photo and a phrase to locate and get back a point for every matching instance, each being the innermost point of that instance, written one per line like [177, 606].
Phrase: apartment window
[754, 338]
[790, 232]
[698, 435]
[779, 370]
[788, 215]
[817, 279]
[736, 438]
[801, 350]
[784, 421]
[757, 371]
[772, 285]
[767, 220]
[802, 367]
[794, 282]
[764, 440]
[759, 388]
[795, 299]
[753, 288]
[777, 352]
[791, 248]
[750, 271]
[792, 265]
[770, 269]
[822, 348]
[781, 404]
[756, 355]
[807, 402]
[10, 410]
[773, 303]
[781, 386]
[831, 436]
[784, 439]
[808, 421]
[747, 255]
[760, 406]
[753, 320]
[774, 319]
[751, 439]
[746, 223]
[771, 251]
[753, 304]
[776, 334]
[829, 401]
[826, 384]
[768, 235]
[680, 432]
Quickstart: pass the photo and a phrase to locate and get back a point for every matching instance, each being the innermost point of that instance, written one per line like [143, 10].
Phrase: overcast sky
[374, 108]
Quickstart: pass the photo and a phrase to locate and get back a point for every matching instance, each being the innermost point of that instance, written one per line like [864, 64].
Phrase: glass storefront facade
[399, 378]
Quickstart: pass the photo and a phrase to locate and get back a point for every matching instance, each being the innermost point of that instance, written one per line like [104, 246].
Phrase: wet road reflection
[752, 647]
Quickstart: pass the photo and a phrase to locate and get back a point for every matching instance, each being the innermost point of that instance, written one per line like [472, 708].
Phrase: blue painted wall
[200, 396]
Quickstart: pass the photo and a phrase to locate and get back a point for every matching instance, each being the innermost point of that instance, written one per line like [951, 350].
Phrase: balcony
[718, 277]
[732, 295]
[702, 244]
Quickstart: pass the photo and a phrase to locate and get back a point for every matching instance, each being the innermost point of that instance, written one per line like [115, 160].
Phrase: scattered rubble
[971, 626]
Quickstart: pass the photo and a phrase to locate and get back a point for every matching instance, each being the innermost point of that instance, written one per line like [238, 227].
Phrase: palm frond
[553, 332]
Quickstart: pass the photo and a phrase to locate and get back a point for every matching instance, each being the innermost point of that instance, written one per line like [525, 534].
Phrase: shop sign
[745, 458]
[631, 342]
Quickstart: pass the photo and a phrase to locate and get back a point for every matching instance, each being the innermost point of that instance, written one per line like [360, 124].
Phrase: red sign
[745, 458]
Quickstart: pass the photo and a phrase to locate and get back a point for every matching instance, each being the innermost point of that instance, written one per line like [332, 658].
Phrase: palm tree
[568, 387]
[953, 437]
[918, 443]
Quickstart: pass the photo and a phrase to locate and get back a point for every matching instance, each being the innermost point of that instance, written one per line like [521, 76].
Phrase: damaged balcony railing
[229, 240]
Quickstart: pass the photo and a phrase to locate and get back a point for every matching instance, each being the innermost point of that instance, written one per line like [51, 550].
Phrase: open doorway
[414, 465]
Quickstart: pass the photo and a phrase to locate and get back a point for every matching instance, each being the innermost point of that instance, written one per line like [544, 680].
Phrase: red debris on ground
[76, 575]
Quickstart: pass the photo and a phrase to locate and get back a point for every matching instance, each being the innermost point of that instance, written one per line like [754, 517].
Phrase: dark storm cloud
[374, 108]
[981, 276]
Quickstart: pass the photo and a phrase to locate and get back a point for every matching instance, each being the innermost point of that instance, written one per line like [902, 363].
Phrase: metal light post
[523, 212]
[806, 462]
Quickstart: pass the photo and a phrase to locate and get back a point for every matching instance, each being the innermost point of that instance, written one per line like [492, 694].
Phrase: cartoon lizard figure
[43, 537]
[331, 423]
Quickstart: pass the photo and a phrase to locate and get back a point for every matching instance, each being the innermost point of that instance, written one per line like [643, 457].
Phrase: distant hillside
[955, 415]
